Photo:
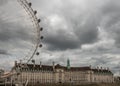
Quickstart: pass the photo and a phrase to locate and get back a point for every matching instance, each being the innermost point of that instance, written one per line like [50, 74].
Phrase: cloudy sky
[85, 31]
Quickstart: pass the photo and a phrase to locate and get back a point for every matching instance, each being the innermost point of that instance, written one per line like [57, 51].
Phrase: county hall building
[58, 74]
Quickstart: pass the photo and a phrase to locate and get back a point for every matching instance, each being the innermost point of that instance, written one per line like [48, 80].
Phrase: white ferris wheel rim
[32, 15]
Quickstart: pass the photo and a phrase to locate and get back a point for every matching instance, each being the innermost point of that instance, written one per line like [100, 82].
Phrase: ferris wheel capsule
[39, 20]
[40, 45]
[41, 37]
[30, 4]
[35, 12]
[37, 53]
[41, 29]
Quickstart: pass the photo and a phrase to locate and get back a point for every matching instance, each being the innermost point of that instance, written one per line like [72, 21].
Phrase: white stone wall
[103, 78]
[76, 77]
[34, 77]
[60, 75]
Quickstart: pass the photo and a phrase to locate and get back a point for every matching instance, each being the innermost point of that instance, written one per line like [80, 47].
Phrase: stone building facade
[1, 74]
[45, 74]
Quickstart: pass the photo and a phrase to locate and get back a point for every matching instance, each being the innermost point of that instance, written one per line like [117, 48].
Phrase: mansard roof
[73, 68]
[33, 67]
[45, 67]
[102, 71]
[80, 68]
[58, 66]
[48, 67]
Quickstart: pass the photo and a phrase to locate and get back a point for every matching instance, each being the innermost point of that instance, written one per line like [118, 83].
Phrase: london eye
[20, 31]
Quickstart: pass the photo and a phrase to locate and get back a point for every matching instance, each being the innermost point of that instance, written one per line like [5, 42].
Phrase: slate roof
[58, 66]
[102, 71]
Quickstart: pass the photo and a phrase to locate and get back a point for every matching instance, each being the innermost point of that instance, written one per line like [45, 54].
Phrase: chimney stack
[108, 68]
[101, 68]
[53, 65]
[40, 64]
[97, 68]
[90, 67]
[15, 63]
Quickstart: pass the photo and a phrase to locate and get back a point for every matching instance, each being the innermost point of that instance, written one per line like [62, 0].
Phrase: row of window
[38, 80]
[38, 77]
[46, 71]
[76, 72]
[102, 79]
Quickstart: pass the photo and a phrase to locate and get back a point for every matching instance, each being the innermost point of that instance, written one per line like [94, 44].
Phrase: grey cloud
[105, 61]
[61, 60]
[13, 36]
[92, 18]
[100, 60]
[11, 31]
[110, 12]
[58, 60]
[3, 52]
[61, 41]
[117, 67]
[2, 2]
[111, 7]
[87, 33]
[14, 24]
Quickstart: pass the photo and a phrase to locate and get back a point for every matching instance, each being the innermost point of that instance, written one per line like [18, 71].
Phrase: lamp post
[11, 80]
[5, 81]
[70, 81]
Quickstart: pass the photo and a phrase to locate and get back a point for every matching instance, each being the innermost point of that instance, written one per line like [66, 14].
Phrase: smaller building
[117, 79]
[102, 76]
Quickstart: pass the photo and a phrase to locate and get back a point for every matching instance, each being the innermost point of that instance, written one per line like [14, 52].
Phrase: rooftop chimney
[90, 66]
[97, 67]
[108, 68]
[101, 68]
[53, 65]
[15, 63]
[40, 64]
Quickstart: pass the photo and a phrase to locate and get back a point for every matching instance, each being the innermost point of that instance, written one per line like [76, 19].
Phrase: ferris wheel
[20, 30]
[32, 14]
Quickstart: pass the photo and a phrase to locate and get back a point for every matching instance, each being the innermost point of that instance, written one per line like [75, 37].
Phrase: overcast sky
[85, 31]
